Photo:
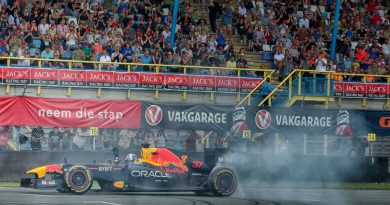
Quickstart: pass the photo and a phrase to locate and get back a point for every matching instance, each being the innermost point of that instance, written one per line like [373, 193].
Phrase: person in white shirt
[386, 49]
[105, 58]
[24, 54]
[43, 27]
[304, 22]
[321, 62]
[242, 9]
[279, 62]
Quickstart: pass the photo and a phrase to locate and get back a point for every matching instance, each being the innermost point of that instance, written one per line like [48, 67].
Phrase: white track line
[99, 202]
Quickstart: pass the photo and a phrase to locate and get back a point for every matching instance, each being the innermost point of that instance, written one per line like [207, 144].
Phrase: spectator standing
[191, 140]
[126, 138]
[67, 139]
[279, 62]
[55, 139]
[228, 18]
[81, 139]
[161, 139]
[231, 64]
[37, 134]
[145, 58]
[265, 90]
[78, 55]
[213, 11]
[116, 56]
[105, 58]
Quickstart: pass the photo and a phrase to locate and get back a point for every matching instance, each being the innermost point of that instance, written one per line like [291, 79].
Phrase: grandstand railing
[132, 67]
[314, 85]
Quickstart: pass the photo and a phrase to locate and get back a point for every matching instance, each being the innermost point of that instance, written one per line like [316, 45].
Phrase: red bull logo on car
[54, 169]
[164, 158]
[43, 170]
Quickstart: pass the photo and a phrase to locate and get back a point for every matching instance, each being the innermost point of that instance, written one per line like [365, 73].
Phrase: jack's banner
[126, 80]
[288, 121]
[362, 90]
[54, 112]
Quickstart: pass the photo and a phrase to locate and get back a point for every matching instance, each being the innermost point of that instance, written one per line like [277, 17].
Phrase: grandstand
[236, 41]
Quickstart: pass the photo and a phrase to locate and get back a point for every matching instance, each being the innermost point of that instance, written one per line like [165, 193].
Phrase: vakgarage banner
[238, 120]
[362, 90]
[52, 112]
[126, 80]
[187, 117]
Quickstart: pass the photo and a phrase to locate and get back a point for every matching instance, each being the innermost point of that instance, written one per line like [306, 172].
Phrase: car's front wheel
[78, 179]
[222, 181]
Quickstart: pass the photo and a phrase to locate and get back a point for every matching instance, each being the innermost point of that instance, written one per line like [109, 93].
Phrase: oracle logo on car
[263, 119]
[384, 122]
[153, 115]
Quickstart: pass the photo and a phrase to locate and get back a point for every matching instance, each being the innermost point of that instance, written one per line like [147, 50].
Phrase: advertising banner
[47, 77]
[361, 90]
[166, 81]
[73, 78]
[100, 79]
[227, 84]
[188, 117]
[238, 120]
[51, 112]
[127, 80]
[16, 76]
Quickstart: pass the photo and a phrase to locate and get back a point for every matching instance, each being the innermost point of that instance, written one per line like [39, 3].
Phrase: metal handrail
[254, 89]
[277, 87]
[133, 64]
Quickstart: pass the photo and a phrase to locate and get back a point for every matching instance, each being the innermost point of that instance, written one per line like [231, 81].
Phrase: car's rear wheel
[78, 179]
[222, 181]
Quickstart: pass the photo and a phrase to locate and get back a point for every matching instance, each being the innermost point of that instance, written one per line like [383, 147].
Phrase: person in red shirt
[376, 19]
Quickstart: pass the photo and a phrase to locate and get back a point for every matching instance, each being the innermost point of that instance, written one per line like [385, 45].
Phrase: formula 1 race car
[158, 169]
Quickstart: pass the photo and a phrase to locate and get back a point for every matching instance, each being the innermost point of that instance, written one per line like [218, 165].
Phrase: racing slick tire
[78, 179]
[222, 181]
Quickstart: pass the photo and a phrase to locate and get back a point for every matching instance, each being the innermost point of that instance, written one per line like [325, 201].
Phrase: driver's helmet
[131, 157]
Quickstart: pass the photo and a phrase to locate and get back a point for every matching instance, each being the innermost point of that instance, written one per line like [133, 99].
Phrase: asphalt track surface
[259, 196]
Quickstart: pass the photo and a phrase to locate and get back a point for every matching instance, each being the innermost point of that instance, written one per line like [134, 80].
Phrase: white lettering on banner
[17, 73]
[152, 79]
[82, 113]
[126, 78]
[203, 81]
[176, 80]
[55, 113]
[45, 74]
[197, 117]
[303, 121]
[72, 76]
[249, 84]
[377, 89]
[355, 88]
[100, 76]
[227, 82]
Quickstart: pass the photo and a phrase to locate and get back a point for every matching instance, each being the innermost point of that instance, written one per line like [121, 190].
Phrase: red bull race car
[158, 169]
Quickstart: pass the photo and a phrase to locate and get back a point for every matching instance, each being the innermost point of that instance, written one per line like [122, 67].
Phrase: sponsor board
[54, 112]
[361, 90]
[253, 119]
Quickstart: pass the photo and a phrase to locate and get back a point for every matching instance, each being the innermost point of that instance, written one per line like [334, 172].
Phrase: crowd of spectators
[65, 139]
[140, 30]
